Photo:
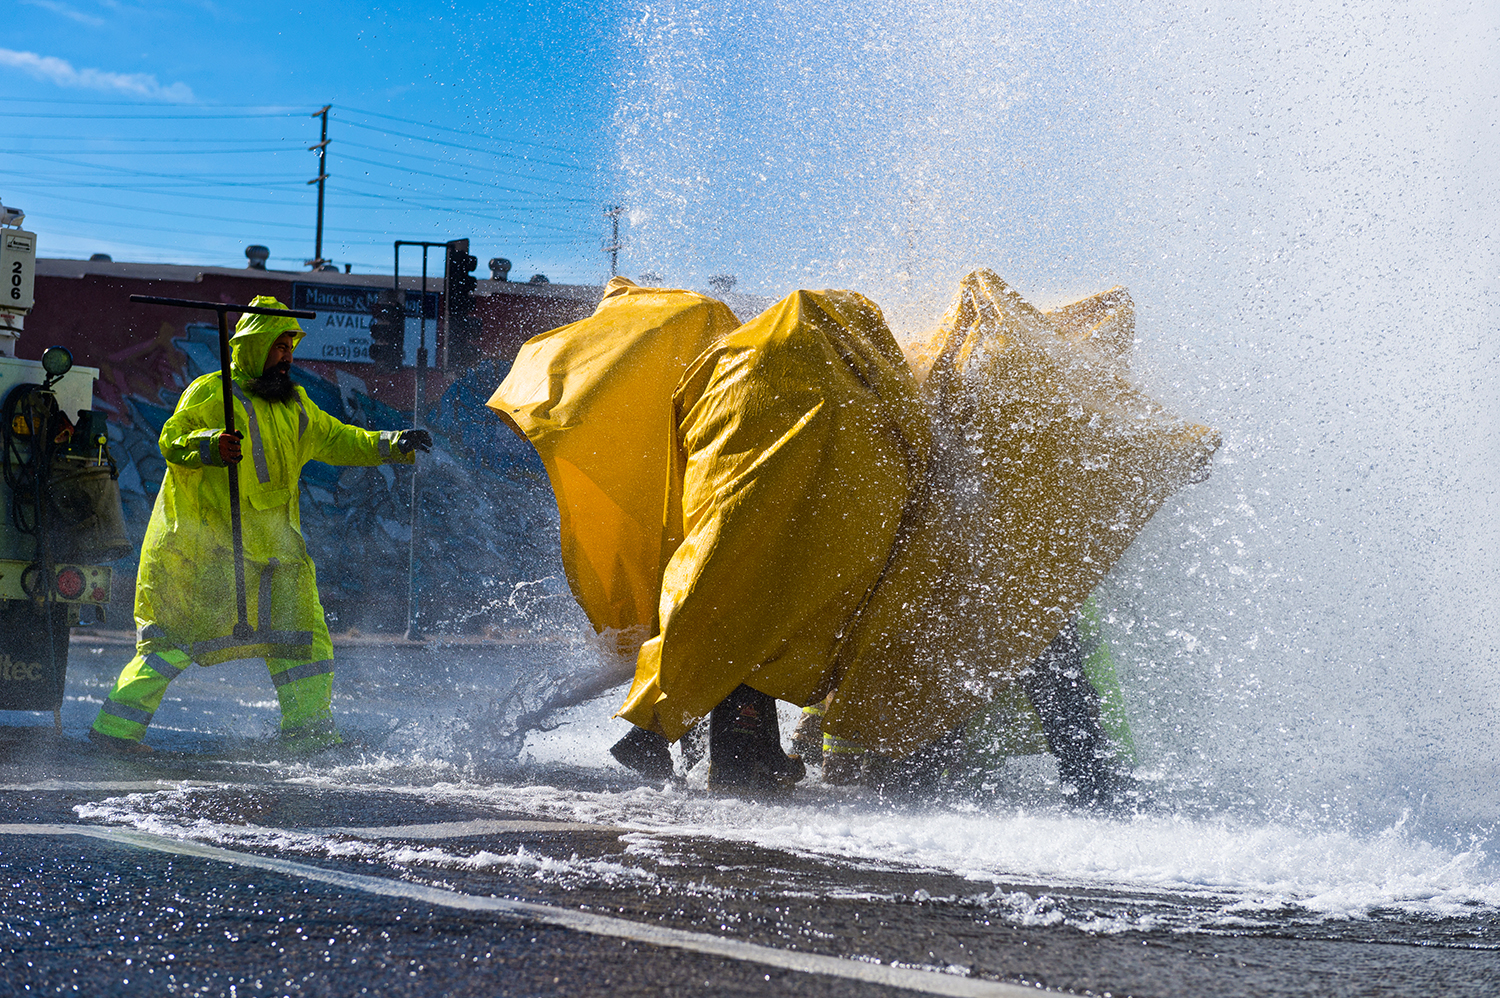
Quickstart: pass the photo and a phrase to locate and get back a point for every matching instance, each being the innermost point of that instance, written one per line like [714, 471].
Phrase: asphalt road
[418, 860]
[243, 882]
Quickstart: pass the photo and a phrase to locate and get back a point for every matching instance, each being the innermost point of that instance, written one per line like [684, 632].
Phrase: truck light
[69, 583]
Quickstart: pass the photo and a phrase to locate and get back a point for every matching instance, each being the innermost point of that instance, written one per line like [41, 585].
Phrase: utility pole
[613, 249]
[316, 263]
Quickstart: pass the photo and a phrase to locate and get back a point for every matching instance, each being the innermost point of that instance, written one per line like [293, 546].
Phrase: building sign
[341, 332]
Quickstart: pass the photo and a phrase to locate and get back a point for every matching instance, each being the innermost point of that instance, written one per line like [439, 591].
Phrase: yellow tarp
[799, 441]
[595, 399]
[1046, 464]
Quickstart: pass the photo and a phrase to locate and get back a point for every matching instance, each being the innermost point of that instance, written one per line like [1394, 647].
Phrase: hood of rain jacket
[253, 336]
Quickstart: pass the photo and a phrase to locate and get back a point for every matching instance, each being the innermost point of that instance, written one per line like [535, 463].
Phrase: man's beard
[274, 384]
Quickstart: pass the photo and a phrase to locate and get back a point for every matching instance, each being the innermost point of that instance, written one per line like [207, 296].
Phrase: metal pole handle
[242, 629]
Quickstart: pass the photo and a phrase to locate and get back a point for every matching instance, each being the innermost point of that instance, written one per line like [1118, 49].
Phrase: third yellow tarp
[1046, 463]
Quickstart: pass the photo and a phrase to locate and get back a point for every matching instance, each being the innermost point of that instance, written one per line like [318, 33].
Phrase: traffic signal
[388, 329]
[459, 306]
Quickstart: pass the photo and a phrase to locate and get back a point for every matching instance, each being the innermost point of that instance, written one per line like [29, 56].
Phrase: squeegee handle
[242, 625]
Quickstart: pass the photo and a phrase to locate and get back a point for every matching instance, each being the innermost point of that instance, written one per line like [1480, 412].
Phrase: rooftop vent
[101, 258]
[538, 279]
[257, 255]
[499, 269]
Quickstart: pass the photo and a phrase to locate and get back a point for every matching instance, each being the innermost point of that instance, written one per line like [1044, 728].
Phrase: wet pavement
[220, 867]
[131, 913]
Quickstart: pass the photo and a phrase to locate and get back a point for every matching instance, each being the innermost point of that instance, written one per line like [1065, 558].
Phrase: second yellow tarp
[799, 441]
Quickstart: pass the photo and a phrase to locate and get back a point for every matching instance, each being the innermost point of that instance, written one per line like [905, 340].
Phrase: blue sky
[881, 145]
[179, 131]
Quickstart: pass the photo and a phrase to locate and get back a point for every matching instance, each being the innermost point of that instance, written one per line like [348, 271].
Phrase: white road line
[925, 981]
[463, 829]
[145, 786]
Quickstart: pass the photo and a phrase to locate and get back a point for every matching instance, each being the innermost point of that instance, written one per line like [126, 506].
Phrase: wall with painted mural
[487, 523]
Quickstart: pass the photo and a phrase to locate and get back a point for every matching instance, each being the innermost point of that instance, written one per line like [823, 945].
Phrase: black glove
[411, 440]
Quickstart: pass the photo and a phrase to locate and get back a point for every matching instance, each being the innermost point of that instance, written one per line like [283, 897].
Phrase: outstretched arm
[334, 442]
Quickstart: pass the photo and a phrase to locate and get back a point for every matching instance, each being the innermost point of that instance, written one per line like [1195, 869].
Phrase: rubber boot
[931, 771]
[311, 738]
[118, 746]
[645, 752]
[807, 738]
[744, 747]
[844, 761]
[1069, 708]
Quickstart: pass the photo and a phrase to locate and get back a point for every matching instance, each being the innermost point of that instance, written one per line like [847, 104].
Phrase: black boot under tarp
[1070, 711]
[744, 746]
[644, 751]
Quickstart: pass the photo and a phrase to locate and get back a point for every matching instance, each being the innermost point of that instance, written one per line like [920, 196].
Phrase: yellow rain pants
[1047, 462]
[797, 443]
[595, 399]
[185, 588]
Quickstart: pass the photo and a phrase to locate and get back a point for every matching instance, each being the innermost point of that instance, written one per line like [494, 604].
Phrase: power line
[173, 152]
[512, 221]
[218, 179]
[456, 131]
[277, 110]
[457, 145]
[260, 223]
[268, 111]
[541, 197]
[136, 227]
[490, 218]
[255, 222]
[166, 186]
[144, 103]
[274, 150]
[160, 190]
[461, 180]
[140, 117]
[165, 191]
[211, 178]
[450, 161]
[123, 138]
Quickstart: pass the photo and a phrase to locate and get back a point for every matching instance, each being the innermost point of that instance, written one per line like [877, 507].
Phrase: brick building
[487, 523]
[85, 306]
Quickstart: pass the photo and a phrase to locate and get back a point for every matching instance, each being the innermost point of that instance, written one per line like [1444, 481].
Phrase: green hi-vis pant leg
[304, 690]
[138, 692]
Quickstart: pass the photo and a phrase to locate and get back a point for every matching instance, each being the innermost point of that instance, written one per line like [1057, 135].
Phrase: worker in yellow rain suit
[797, 442]
[594, 398]
[1048, 462]
[185, 598]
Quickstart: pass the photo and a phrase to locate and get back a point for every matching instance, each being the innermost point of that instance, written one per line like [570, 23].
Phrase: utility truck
[62, 522]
